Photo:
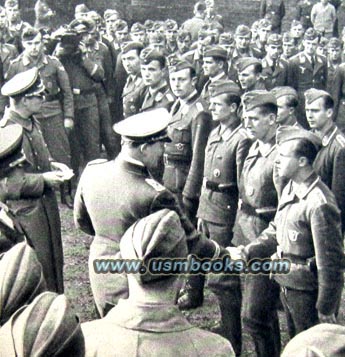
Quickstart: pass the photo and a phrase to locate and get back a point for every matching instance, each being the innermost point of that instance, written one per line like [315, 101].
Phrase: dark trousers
[260, 316]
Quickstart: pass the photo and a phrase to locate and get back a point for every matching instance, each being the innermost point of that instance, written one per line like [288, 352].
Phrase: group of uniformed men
[241, 134]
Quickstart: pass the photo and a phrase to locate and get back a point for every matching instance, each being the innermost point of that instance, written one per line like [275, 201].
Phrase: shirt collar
[302, 190]
[148, 317]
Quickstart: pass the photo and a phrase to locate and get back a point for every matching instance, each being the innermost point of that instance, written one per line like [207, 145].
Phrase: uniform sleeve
[241, 154]
[328, 245]
[200, 132]
[108, 71]
[11, 72]
[198, 243]
[82, 219]
[292, 74]
[95, 70]
[65, 87]
[337, 90]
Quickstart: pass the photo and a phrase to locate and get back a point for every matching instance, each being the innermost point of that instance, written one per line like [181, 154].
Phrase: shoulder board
[320, 195]
[341, 140]
[244, 133]
[97, 162]
[17, 59]
[199, 106]
[170, 97]
[155, 185]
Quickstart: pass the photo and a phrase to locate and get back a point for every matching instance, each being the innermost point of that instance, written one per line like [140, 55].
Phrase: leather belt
[266, 213]
[220, 187]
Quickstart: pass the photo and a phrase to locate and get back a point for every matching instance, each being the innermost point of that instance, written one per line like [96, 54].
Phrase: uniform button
[35, 153]
[216, 173]
[219, 157]
[38, 167]
[250, 191]
[228, 207]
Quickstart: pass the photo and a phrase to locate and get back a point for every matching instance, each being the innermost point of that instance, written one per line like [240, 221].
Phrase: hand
[53, 178]
[59, 166]
[237, 253]
[68, 123]
[82, 47]
[328, 319]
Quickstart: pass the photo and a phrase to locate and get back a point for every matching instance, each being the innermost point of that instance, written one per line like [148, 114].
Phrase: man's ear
[329, 113]
[194, 80]
[303, 161]
[273, 119]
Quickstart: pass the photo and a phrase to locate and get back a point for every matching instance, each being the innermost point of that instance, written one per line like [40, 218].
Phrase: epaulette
[199, 106]
[170, 97]
[320, 195]
[341, 140]
[17, 59]
[97, 162]
[155, 185]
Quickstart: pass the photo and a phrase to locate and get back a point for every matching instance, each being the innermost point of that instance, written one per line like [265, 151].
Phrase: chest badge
[292, 235]
[216, 172]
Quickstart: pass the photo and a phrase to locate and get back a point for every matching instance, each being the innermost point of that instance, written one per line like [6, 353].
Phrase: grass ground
[77, 286]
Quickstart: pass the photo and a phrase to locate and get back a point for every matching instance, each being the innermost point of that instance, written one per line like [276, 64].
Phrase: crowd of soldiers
[176, 140]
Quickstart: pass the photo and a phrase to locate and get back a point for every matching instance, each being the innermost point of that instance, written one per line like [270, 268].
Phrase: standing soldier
[188, 130]
[138, 33]
[249, 74]
[330, 161]
[289, 48]
[264, 29]
[303, 11]
[333, 62]
[274, 69]
[257, 206]
[195, 24]
[131, 62]
[57, 111]
[307, 70]
[274, 10]
[184, 41]
[226, 150]
[40, 216]
[156, 92]
[171, 30]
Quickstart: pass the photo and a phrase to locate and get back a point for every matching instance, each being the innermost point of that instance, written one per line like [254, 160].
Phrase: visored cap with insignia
[21, 279]
[26, 84]
[159, 235]
[283, 91]
[216, 52]
[288, 133]
[226, 38]
[310, 34]
[110, 13]
[176, 64]
[137, 27]
[149, 126]
[46, 327]
[148, 55]
[257, 98]
[245, 62]
[243, 30]
[274, 39]
[313, 94]
[11, 138]
[132, 45]
[222, 87]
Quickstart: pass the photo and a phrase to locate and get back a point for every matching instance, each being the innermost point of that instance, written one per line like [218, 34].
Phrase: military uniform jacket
[55, 80]
[331, 73]
[184, 156]
[303, 11]
[224, 157]
[338, 94]
[236, 56]
[150, 330]
[129, 93]
[330, 165]
[162, 98]
[274, 10]
[205, 93]
[34, 203]
[302, 75]
[307, 225]
[276, 77]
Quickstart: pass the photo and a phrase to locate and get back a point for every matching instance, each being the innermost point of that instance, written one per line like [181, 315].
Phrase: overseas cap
[81, 8]
[82, 26]
[21, 279]
[216, 51]
[274, 39]
[257, 98]
[222, 87]
[283, 91]
[132, 45]
[26, 83]
[171, 24]
[179, 64]
[242, 30]
[287, 37]
[137, 27]
[120, 25]
[110, 13]
[245, 62]
[46, 327]
[159, 235]
[149, 24]
[263, 23]
[323, 42]
[288, 133]
[323, 340]
[149, 126]
[334, 43]
[148, 55]
[313, 94]
[11, 3]
[226, 38]
[310, 34]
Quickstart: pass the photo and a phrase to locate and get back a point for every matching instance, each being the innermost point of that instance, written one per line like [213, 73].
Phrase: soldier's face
[33, 104]
[153, 158]
[310, 46]
[211, 67]
[3, 20]
[13, 13]
[181, 83]
[80, 16]
[248, 78]
[171, 35]
[263, 33]
[258, 124]
[273, 51]
[183, 44]
[110, 22]
[139, 36]
[334, 54]
[284, 112]
[288, 48]
[242, 42]
[152, 73]
[317, 115]
[297, 31]
[219, 108]
[131, 62]
[287, 163]
[34, 47]
[121, 35]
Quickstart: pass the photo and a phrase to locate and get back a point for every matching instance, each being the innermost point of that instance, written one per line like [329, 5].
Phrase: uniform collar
[190, 98]
[218, 77]
[162, 85]
[27, 60]
[132, 165]
[148, 317]
[11, 115]
[302, 190]
[329, 135]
